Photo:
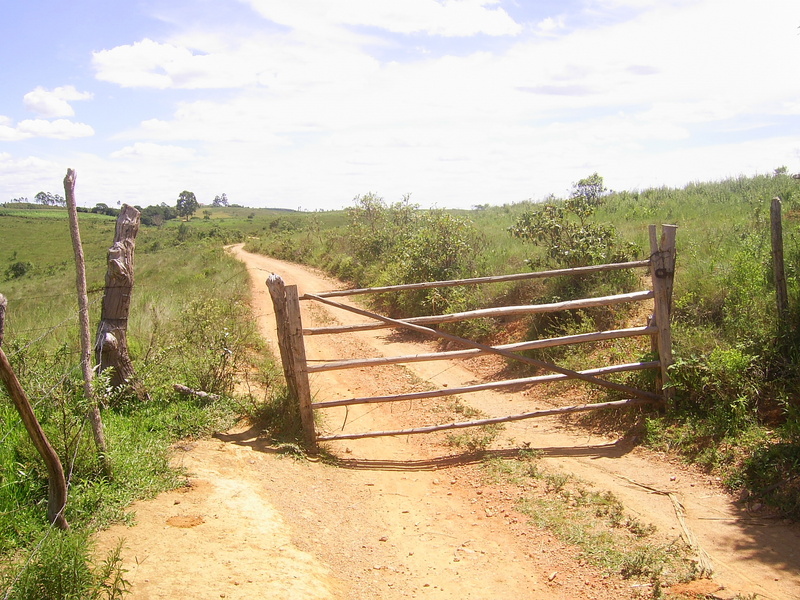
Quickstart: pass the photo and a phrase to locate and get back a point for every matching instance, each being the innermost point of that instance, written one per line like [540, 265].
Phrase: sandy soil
[405, 517]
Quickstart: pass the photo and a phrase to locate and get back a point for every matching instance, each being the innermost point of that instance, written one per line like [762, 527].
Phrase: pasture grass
[190, 323]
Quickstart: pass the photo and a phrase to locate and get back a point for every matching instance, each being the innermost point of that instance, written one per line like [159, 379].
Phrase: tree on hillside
[48, 199]
[220, 200]
[156, 215]
[187, 204]
[591, 189]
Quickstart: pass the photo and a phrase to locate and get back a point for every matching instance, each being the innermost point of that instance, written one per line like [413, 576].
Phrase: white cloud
[446, 18]
[143, 64]
[26, 176]
[10, 134]
[321, 44]
[149, 151]
[550, 25]
[61, 129]
[54, 103]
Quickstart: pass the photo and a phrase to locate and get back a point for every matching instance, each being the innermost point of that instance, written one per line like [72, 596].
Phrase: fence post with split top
[111, 345]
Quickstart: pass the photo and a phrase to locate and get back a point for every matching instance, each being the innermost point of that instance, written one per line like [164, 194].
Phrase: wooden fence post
[662, 270]
[286, 301]
[111, 343]
[3, 304]
[56, 482]
[778, 267]
[83, 319]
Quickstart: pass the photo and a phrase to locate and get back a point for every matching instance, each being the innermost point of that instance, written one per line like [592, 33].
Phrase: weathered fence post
[56, 482]
[778, 267]
[662, 270]
[83, 318]
[286, 301]
[111, 343]
[3, 304]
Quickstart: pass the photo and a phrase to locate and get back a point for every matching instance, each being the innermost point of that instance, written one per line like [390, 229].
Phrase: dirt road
[403, 517]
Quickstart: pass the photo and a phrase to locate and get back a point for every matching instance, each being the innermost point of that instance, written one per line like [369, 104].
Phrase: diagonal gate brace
[650, 396]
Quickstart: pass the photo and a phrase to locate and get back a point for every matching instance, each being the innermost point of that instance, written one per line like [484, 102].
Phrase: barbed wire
[48, 331]
[72, 294]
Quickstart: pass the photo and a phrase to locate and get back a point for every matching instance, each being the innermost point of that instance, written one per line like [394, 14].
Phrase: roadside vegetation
[735, 413]
[190, 323]
[594, 522]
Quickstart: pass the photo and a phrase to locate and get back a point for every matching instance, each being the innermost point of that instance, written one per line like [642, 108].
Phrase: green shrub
[60, 568]
[441, 247]
[722, 386]
[18, 269]
[216, 337]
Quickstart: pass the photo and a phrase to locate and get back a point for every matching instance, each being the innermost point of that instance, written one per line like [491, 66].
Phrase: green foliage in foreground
[63, 568]
[190, 323]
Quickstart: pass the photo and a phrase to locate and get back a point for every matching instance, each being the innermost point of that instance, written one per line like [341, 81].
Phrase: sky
[305, 104]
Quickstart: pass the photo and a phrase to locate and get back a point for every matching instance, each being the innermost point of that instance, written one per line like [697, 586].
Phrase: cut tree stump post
[56, 482]
[286, 301]
[662, 270]
[111, 343]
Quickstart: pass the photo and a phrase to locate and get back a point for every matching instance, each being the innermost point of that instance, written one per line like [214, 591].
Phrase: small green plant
[722, 384]
[476, 439]
[18, 269]
[280, 415]
[595, 522]
[61, 568]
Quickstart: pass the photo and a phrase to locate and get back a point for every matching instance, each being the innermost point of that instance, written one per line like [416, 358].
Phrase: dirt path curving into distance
[403, 517]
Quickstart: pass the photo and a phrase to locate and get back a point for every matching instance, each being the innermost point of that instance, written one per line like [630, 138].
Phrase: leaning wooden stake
[56, 483]
[111, 345]
[662, 269]
[293, 353]
[3, 304]
[778, 268]
[83, 314]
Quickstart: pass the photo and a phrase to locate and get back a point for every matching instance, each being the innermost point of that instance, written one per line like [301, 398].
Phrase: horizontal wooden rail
[494, 385]
[503, 311]
[596, 336]
[477, 280]
[529, 415]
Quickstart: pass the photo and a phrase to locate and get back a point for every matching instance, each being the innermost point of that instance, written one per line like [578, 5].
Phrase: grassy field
[190, 323]
[736, 378]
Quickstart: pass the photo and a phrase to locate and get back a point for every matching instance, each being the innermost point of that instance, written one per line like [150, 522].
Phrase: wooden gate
[661, 265]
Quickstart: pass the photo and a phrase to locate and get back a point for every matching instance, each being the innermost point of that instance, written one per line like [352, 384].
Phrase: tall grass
[189, 323]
